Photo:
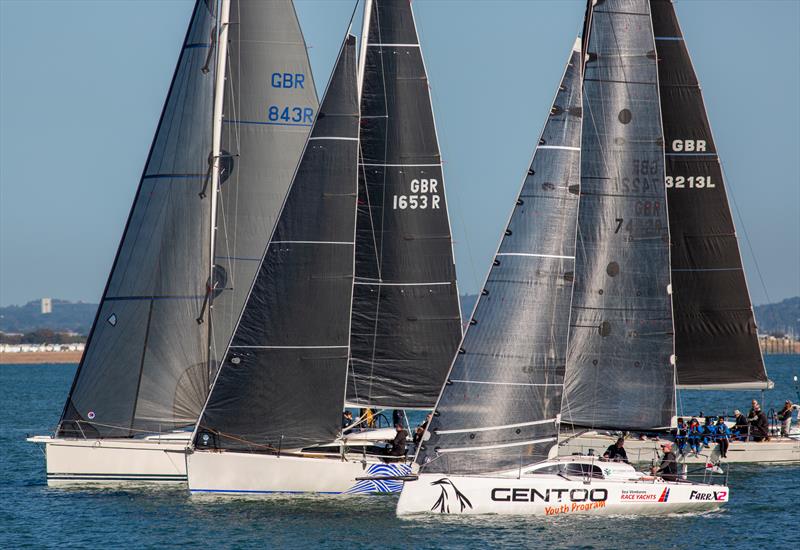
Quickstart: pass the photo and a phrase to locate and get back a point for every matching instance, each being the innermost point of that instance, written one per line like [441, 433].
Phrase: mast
[216, 151]
[362, 53]
[500, 405]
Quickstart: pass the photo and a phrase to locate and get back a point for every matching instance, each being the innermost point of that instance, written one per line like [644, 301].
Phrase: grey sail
[406, 321]
[144, 368]
[270, 104]
[282, 382]
[500, 405]
[716, 340]
[620, 372]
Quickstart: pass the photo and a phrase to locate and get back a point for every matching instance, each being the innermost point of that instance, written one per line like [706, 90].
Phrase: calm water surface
[764, 511]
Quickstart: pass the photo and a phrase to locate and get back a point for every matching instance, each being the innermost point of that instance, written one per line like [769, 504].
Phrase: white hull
[235, 473]
[776, 450]
[553, 495]
[114, 461]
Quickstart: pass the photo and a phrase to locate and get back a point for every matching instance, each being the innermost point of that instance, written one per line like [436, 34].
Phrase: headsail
[145, 362]
[270, 104]
[619, 367]
[282, 382]
[716, 342]
[406, 321]
[500, 405]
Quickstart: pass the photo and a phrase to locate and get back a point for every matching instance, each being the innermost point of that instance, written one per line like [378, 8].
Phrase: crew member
[723, 436]
[616, 452]
[760, 426]
[680, 435]
[785, 416]
[669, 464]
[398, 447]
[742, 427]
[420, 430]
[694, 436]
[347, 419]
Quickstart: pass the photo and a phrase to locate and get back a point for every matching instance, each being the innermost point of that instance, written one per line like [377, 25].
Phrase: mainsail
[406, 316]
[620, 371]
[282, 382]
[716, 342]
[146, 366]
[500, 405]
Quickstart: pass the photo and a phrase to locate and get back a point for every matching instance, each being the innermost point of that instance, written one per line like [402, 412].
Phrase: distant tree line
[42, 336]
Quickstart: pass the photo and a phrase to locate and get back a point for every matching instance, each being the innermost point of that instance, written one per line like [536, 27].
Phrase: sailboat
[574, 323]
[355, 303]
[236, 118]
[716, 341]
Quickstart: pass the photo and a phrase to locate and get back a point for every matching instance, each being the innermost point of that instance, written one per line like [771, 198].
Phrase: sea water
[764, 510]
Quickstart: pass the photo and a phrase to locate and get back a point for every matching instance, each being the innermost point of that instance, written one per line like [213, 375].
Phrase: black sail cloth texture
[145, 364]
[406, 321]
[270, 105]
[499, 407]
[619, 365]
[716, 341]
[283, 379]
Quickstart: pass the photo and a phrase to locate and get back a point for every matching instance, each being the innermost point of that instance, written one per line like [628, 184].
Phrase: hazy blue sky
[82, 84]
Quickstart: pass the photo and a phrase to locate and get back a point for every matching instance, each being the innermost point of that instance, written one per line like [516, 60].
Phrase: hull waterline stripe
[536, 255]
[502, 383]
[491, 428]
[501, 446]
[252, 491]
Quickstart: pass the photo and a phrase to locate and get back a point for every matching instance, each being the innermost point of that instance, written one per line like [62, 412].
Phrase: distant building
[47, 306]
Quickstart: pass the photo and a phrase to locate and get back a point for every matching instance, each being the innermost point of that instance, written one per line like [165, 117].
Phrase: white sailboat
[233, 126]
[716, 340]
[355, 303]
[574, 323]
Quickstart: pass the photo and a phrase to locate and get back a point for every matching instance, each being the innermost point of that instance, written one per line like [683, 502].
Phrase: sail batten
[499, 407]
[716, 341]
[406, 320]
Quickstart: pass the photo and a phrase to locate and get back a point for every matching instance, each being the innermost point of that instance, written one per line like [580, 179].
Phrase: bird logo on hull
[442, 503]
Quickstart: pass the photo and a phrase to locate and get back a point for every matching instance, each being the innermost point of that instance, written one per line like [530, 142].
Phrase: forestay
[270, 104]
[716, 341]
[500, 405]
[145, 364]
[406, 316]
[282, 382]
[620, 373]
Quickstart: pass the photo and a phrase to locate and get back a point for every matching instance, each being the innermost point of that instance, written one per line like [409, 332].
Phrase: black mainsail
[146, 365]
[406, 315]
[282, 382]
[500, 405]
[716, 342]
[620, 371]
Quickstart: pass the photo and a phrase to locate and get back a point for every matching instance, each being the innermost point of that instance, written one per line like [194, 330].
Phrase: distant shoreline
[34, 357]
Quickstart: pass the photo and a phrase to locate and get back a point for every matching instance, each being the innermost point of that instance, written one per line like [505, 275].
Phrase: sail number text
[302, 115]
[689, 182]
[424, 195]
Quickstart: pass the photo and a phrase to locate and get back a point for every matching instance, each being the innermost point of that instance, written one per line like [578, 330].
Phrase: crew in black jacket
[616, 451]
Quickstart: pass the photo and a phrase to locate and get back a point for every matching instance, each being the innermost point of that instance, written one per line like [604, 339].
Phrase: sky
[82, 84]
